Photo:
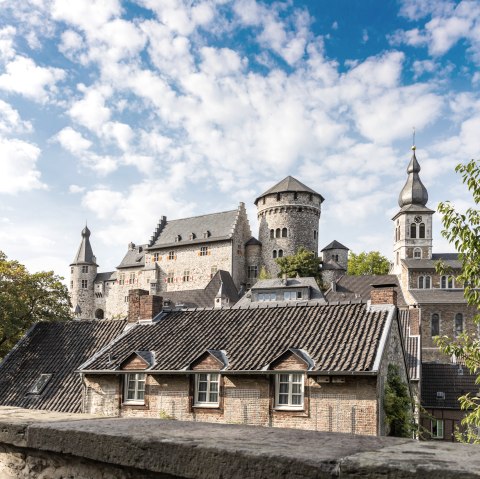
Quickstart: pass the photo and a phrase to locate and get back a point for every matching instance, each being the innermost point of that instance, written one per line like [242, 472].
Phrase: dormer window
[178, 238]
[289, 391]
[206, 234]
[207, 389]
[192, 236]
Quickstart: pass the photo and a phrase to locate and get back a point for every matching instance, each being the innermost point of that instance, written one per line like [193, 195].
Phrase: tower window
[421, 230]
[71, 284]
[310, 197]
[71, 270]
[435, 326]
[277, 233]
[458, 324]
[314, 234]
[335, 257]
[274, 254]
[413, 230]
[279, 196]
[84, 268]
[446, 282]
[84, 284]
[252, 272]
[417, 253]
[280, 253]
[295, 195]
[284, 232]
[272, 234]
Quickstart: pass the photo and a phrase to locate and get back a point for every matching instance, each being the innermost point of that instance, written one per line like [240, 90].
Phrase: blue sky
[117, 113]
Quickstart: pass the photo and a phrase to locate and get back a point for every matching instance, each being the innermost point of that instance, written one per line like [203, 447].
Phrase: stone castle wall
[84, 297]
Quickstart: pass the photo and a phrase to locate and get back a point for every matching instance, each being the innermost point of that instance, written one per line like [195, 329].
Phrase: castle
[186, 254]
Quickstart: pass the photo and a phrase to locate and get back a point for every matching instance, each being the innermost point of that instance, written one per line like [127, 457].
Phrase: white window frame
[84, 283]
[138, 379]
[290, 379]
[438, 432]
[417, 253]
[210, 379]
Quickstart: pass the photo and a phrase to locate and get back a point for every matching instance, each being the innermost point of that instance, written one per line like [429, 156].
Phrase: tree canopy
[367, 263]
[303, 263]
[463, 230]
[26, 298]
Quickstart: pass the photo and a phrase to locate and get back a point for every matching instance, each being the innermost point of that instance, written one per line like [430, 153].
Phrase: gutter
[226, 372]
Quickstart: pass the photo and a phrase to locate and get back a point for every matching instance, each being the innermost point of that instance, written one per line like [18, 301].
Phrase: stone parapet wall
[38, 444]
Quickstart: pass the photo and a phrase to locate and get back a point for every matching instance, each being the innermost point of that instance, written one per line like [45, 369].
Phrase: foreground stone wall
[40, 445]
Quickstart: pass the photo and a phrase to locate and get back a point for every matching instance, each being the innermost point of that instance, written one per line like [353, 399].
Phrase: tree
[303, 263]
[26, 298]
[463, 230]
[263, 273]
[367, 263]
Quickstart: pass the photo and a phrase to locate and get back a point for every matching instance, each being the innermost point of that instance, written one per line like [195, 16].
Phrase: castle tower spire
[414, 191]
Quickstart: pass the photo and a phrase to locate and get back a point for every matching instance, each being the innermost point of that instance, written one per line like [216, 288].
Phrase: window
[263, 202]
[99, 314]
[295, 195]
[446, 282]
[435, 326]
[186, 276]
[213, 271]
[207, 389]
[417, 253]
[280, 253]
[335, 257]
[131, 279]
[413, 230]
[170, 277]
[267, 297]
[206, 234]
[272, 234]
[135, 388]
[437, 428]
[424, 282]
[122, 279]
[84, 284]
[289, 391]
[421, 230]
[204, 251]
[292, 295]
[71, 270]
[39, 385]
[156, 256]
[252, 272]
[71, 284]
[279, 196]
[277, 233]
[284, 232]
[171, 255]
[126, 299]
[310, 197]
[84, 268]
[458, 324]
[178, 238]
[314, 234]
[274, 254]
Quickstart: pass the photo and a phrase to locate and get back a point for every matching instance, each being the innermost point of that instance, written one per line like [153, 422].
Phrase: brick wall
[383, 295]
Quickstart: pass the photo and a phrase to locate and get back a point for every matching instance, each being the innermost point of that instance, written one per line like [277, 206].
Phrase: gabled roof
[56, 348]
[351, 288]
[219, 355]
[340, 338]
[334, 245]
[289, 184]
[445, 378]
[84, 254]
[135, 257]
[220, 226]
[107, 276]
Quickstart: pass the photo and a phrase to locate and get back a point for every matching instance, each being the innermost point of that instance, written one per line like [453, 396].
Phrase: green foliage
[463, 230]
[398, 406]
[367, 263]
[304, 263]
[263, 273]
[26, 298]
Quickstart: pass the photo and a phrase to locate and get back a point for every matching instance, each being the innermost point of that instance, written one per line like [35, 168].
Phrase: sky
[116, 113]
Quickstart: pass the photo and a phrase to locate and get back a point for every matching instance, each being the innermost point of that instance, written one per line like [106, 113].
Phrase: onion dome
[414, 192]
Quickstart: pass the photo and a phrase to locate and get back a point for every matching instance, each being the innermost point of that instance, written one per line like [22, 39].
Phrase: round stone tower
[288, 216]
[83, 271]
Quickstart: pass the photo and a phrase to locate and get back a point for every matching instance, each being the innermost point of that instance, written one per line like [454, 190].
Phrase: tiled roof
[135, 257]
[219, 225]
[204, 298]
[334, 245]
[445, 378]
[351, 288]
[289, 184]
[337, 338]
[430, 263]
[56, 348]
[423, 296]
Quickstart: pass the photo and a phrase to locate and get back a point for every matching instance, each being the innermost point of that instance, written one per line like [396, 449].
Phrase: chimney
[414, 321]
[134, 296]
[383, 294]
[150, 306]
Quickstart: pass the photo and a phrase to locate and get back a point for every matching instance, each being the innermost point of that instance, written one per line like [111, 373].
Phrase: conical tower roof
[289, 184]
[84, 254]
[414, 191]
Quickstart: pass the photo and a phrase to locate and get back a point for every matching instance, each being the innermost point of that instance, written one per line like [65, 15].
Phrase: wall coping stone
[208, 451]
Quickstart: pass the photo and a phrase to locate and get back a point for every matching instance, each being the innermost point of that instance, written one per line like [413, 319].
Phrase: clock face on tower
[418, 219]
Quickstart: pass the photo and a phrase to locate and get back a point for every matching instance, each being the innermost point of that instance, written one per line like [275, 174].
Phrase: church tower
[413, 223]
[288, 216]
[83, 271]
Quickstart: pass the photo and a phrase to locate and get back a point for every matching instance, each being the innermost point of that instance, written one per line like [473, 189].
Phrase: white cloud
[7, 50]
[73, 141]
[18, 166]
[74, 189]
[10, 120]
[91, 111]
[23, 76]
[120, 133]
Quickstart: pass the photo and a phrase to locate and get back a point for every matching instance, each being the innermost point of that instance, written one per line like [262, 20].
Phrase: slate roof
[431, 263]
[289, 184]
[445, 378]
[253, 241]
[351, 288]
[341, 338]
[425, 296]
[108, 276]
[414, 191]
[56, 348]
[134, 257]
[334, 245]
[84, 254]
[220, 225]
[204, 298]
[332, 265]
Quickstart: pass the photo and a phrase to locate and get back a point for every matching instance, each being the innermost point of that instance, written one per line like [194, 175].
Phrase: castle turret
[413, 223]
[288, 216]
[83, 271]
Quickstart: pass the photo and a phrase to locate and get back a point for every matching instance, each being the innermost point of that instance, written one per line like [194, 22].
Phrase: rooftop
[289, 184]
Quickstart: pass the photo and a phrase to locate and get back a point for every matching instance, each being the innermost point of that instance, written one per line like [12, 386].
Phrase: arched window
[417, 253]
[277, 233]
[421, 282]
[280, 253]
[428, 282]
[413, 230]
[458, 324]
[274, 253]
[99, 314]
[435, 325]
[284, 232]
[446, 282]
[335, 257]
[272, 234]
[421, 230]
